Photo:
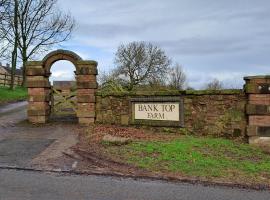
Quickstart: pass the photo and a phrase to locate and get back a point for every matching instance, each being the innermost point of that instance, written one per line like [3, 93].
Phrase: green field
[17, 94]
[198, 157]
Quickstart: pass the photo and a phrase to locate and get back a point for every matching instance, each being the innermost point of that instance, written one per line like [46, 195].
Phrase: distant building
[7, 69]
[5, 75]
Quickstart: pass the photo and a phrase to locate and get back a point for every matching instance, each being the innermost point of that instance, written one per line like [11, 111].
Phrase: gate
[64, 98]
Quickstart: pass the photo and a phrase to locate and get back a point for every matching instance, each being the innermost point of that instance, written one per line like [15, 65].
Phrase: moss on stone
[169, 93]
[213, 92]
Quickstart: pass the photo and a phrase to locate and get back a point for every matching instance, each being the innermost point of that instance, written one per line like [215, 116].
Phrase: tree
[214, 85]
[9, 19]
[177, 77]
[140, 62]
[40, 26]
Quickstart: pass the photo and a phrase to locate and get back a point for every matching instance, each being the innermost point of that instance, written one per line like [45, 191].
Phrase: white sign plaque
[157, 111]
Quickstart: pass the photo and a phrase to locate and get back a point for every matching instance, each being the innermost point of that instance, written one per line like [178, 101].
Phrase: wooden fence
[5, 79]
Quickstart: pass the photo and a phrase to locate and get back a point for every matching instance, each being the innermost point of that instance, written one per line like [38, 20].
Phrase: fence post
[5, 80]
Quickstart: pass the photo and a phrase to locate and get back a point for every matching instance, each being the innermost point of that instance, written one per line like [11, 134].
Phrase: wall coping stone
[172, 93]
[257, 77]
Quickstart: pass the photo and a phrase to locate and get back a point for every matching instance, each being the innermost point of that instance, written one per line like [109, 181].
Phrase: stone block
[86, 107]
[86, 91]
[124, 119]
[86, 99]
[37, 82]
[262, 88]
[86, 114]
[35, 71]
[39, 98]
[86, 78]
[257, 109]
[41, 112]
[86, 121]
[99, 117]
[252, 131]
[255, 120]
[39, 91]
[38, 119]
[259, 99]
[38, 106]
[259, 141]
[86, 70]
[87, 85]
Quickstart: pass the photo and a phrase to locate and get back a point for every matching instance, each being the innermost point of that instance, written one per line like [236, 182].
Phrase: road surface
[26, 185]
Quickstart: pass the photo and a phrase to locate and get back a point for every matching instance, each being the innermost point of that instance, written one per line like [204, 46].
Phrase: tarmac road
[27, 185]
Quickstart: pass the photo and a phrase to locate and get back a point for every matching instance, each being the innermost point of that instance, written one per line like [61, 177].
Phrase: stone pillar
[39, 91]
[258, 109]
[86, 88]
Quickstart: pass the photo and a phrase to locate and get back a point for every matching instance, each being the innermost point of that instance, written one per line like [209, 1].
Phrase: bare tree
[40, 26]
[140, 62]
[9, 20]
[104, 77]
[214, 85]
[177, 77]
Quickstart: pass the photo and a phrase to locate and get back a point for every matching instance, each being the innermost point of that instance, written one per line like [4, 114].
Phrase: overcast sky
[224, 39]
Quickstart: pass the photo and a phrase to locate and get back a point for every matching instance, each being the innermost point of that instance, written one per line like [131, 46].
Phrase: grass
[201, 157]
[6, 95]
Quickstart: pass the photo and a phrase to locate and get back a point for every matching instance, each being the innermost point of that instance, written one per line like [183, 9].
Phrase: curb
[142, 177]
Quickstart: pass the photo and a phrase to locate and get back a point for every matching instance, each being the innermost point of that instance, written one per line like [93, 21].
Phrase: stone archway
[39, 88]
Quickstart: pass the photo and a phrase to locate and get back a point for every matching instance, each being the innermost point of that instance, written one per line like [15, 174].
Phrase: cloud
[224, 39]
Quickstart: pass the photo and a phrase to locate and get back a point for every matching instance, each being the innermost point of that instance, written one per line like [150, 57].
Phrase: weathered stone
[35, 71]
[87, 71]
[86, 114]
[86, 91]
[259, 141]
[41, 112]
[39, 98]
[87, 85]
[38, 119]
[261, 88]
[255, 120]
[116, 140]
[252, 131]
[38, 106]
[87, 63]
[257, 79]
[262, 131]
[124, 120]
[258, 109]
[85, 107]
[86, 121]
[34, 63]
[259, 99]
[39, 91]
[86, 78]
[86, 98]
[37, 82]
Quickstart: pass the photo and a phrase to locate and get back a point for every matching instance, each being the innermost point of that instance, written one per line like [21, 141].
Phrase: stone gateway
[39, 87]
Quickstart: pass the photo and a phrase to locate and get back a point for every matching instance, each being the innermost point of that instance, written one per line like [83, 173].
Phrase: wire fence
[5, 79]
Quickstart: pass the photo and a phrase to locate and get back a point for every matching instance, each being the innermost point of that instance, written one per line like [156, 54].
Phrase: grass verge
[6, 95]
[199, 157]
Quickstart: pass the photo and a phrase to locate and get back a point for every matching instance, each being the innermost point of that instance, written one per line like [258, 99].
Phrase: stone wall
[219, 113]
